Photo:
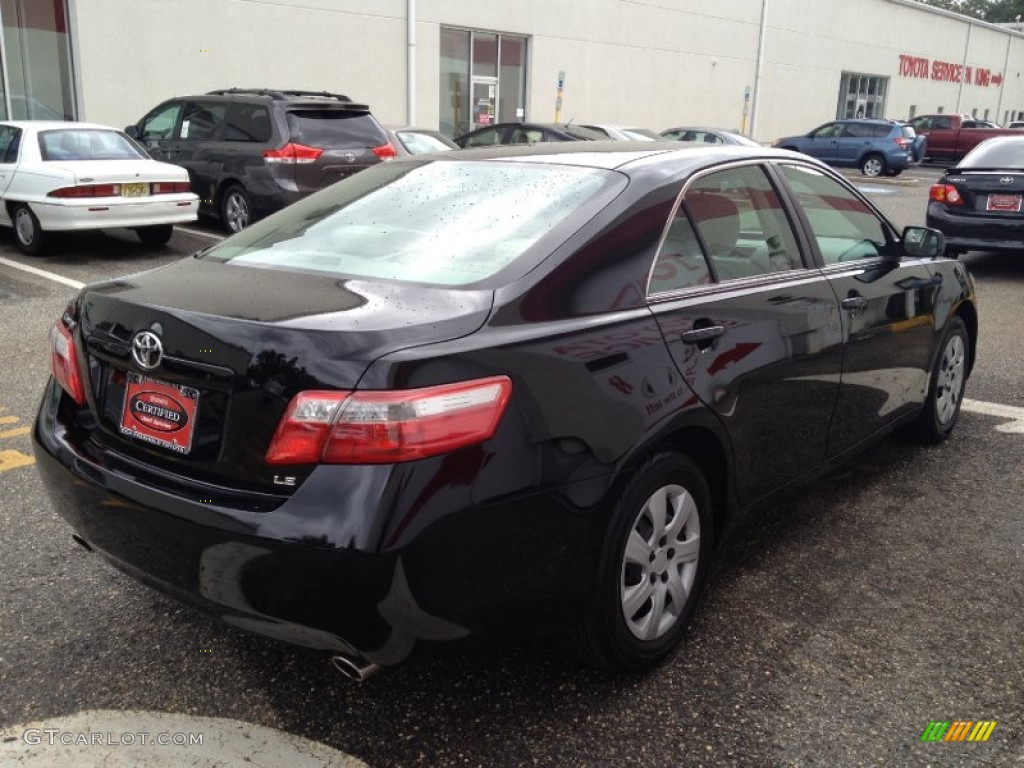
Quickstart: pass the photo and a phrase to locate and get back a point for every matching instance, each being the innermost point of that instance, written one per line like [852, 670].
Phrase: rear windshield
[437, 222]
[334, 128]
[996, 153]
[87, 144]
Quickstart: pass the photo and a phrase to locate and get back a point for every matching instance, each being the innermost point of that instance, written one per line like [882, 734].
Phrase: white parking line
[199, 232]
[1015, 425]
[43, 273]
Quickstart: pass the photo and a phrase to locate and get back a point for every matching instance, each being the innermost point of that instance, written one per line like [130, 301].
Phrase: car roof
[612, 155]
[49, 125]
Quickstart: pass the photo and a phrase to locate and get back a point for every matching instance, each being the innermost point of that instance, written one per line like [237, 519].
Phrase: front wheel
[155, 235]
[653, 564]
[872, 165]
[946, 386]
[29, 235]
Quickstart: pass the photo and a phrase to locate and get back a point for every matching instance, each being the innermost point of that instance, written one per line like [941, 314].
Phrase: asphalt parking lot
[837, 626]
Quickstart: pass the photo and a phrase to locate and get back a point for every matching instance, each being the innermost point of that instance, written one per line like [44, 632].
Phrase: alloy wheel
[949, 386]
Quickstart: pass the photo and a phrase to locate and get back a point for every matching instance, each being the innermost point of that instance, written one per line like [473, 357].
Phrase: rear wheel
[29, 235]
[946, 386]
[155, 235]
[653, 565]
[893, 172]
[235, 209]
[872, 165]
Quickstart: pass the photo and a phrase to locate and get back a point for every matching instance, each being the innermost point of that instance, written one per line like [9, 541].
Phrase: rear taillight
[383, 427]
[170, 187]
[903, 142]
[945, 193]
[87, 190]
[385, 152]
[292, 154]
[64, 362]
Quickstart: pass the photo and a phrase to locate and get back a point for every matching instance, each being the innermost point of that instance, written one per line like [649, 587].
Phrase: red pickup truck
[950, 137]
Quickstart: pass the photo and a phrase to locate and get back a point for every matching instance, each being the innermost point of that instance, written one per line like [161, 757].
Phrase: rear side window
[438, 222]
[335, 128]
[247, 122]
[10, 141]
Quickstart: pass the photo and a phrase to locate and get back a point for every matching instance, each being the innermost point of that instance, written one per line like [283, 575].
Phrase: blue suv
[876, 147]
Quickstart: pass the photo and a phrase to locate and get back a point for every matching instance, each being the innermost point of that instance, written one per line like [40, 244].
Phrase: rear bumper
[104, 213]
[973, 233]
[510, 571]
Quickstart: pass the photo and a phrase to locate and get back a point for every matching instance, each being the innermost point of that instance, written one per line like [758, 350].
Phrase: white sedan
[57, 176]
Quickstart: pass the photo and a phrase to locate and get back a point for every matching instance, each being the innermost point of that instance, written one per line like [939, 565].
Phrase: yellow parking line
[18, 432]
[13, 460]
[8, 419]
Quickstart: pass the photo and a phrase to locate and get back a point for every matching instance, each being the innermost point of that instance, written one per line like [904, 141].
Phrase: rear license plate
[159, 413]
[134, 190]
[1010, 203]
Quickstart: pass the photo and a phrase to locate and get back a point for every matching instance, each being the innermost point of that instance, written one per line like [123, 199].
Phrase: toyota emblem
[350, 157]
[1006, 180]
[147, 350]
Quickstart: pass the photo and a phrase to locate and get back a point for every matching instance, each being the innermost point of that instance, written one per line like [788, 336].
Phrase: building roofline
[958, 16]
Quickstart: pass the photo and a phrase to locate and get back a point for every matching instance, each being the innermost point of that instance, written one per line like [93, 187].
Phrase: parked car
[495, 393]
[977, 204]
[66, 177]
[250, 152]
[1016, 125]
[707, 136]
[418, 141]
[876, 147]
[950, 137]
[527, 133]
[623, 133]
[979, 124]
[918, 142]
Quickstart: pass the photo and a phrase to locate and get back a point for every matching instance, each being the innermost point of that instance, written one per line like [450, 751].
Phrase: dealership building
[766, 67]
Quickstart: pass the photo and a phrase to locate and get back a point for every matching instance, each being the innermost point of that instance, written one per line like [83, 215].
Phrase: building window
[35, 57]
[483, 79]
[862, 95]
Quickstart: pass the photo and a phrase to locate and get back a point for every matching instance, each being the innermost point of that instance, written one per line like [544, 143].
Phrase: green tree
[986, 10]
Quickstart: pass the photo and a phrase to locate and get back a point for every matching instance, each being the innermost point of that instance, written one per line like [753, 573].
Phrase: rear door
[201, 145]
[753, 330]
[10, 149]
[887, 306]
[347, 136]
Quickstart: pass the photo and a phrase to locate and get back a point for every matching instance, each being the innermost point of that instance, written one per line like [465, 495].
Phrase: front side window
[844, 226]
[486, 137]
[159, 124]
[830, 131]
[439, 222]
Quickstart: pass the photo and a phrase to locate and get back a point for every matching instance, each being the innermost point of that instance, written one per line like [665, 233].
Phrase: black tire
[894, 172]
[27, 233]
[873, 165]
[653, 572]
[945, 386]
[235, 209]
[158, 234]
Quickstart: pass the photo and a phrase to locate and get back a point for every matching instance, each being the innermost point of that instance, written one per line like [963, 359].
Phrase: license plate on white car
[134, 190]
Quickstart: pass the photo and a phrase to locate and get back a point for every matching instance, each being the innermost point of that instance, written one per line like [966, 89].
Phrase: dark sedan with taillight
[495, 393]
[977, 204]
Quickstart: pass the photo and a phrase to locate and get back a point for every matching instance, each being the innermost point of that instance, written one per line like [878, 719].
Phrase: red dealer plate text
[159, 413]
[1009, 203]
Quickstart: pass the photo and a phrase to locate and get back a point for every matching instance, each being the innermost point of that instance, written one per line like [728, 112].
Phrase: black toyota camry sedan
[494, 393]
[977, 204]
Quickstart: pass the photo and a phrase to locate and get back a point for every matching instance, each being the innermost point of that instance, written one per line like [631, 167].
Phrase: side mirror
[133, 131]
[923, 242]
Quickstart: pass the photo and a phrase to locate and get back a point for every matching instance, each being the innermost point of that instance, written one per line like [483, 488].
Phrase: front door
[887, 308]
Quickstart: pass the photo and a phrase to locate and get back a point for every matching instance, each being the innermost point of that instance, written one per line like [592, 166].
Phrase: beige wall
[655, 63]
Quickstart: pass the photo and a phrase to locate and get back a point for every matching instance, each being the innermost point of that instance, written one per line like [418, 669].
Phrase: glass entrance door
[485, 98]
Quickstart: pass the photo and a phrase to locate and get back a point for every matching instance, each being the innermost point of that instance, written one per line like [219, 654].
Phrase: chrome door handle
[699, 335]
[854, 303]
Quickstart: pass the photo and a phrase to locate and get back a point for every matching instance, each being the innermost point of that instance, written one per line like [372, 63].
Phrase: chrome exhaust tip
[355, 668]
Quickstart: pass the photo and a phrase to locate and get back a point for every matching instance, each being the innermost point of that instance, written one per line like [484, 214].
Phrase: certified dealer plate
[1008, 203]
[159, 413]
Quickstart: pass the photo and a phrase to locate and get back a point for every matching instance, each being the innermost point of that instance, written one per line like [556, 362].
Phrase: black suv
[250, 152]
